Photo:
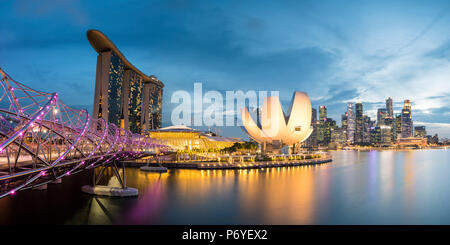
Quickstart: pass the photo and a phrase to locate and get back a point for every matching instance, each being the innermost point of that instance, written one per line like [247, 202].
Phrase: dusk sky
[336, 51]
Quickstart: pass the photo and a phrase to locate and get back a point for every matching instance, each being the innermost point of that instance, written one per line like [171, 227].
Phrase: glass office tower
[135, 97]
[351, 127]
[407, 124]
[124, 95]
[115, 82]
[108, 87]
[359, 123]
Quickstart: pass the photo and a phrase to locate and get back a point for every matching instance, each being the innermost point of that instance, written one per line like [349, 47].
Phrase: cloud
[42, 9]
[336, 52]
[438, 17]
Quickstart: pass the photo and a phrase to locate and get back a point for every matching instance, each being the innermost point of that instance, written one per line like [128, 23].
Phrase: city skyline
[388, 128]
[351, 55]
[242, 115]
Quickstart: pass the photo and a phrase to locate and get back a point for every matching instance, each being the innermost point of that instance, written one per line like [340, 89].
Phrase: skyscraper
[350, 123]
[133, 88]
[359, 123]
[323, 134]
[338, 136]
[375, 135]
[123, 94]
[313, 116]
[382, 114]
[344, 123]
[390, 122]
[398, 125]
[386, 135]
[322, 113]
[367, 124]
[329, 127]
[312, 140]
[108, 87]
[389, 108]
[420, 132]
[407, 123]
[153, 103]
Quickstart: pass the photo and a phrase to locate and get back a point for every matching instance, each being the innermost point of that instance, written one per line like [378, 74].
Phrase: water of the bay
[370, 187]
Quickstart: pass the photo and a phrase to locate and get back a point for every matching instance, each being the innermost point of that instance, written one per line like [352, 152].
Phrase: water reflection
[375, 187]
[150, 205]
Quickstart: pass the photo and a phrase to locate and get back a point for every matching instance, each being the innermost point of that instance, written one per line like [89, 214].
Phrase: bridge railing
[42, 139]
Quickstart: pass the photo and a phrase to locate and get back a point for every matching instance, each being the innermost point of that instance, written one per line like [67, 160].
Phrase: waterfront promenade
[201, 165]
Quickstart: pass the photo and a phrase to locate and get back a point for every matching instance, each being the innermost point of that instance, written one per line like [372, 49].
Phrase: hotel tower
[123, 94]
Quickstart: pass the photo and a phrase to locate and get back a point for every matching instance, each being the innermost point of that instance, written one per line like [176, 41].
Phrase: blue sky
[336, 51]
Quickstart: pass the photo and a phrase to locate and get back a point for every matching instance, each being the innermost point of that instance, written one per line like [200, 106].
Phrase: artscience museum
[275, 129]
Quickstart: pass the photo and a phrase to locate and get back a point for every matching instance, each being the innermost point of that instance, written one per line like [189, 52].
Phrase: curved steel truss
[43, 140]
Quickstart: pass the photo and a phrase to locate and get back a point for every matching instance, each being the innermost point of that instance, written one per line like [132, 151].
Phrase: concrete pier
[113, 189]
[103, 190]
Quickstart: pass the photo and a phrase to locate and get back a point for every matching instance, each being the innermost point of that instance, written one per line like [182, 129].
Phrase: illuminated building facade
[389, 121]
[375, 135]
[322, 126]
[412, 141]
[351, 123]
[325, 127]
[183, 138]
[328, 126]
[133, 96]
[382, 114]
[322, 113]
[420, 132]
[386, 135]
[344, 120]
[389, 108]
[359, 123]
[367, 124]
[123, 94]
[276, 129]
[312, 140]
[154, 106]
[108, 87]
[407, 123]
[344, 124]
[398, 125]
[339, 136]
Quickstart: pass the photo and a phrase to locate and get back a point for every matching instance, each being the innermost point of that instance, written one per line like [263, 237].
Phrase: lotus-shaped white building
[276, 126]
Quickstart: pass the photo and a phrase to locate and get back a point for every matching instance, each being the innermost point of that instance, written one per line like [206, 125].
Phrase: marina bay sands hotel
[124, 95]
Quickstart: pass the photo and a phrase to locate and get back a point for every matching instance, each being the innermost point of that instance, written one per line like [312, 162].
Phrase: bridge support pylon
[116, 186]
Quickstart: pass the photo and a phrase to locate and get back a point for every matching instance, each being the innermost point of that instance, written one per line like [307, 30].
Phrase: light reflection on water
[375, 187]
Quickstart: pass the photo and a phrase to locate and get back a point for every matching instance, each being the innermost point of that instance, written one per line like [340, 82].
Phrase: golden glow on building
[276, 126]
[184, 138]
[412, 141]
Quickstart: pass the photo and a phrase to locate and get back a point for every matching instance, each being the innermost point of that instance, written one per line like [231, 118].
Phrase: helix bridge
[43, 140]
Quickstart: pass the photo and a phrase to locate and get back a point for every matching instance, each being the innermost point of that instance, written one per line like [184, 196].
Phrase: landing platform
[103, 190]
[153, 169]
